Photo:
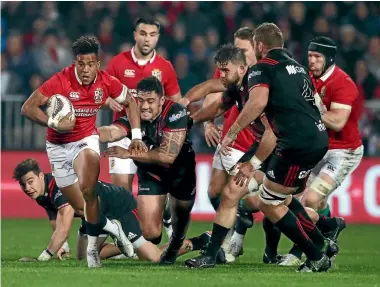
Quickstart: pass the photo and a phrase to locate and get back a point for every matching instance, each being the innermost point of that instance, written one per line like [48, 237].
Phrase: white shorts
[225, 163]
[61, 158]
[119, 165]
[338, 164]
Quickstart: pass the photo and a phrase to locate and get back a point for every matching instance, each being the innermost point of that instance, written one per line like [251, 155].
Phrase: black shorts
[130, 224]
[181, 186]
[290, 169]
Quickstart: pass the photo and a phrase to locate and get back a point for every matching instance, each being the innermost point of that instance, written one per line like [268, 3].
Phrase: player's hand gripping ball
[61, 113]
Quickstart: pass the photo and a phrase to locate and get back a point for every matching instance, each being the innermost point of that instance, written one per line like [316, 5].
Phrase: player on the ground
[169, 165]
[130, 67]
[115, 202]
[73, 146]
[222, 163]
[340, 96]
[288, 100]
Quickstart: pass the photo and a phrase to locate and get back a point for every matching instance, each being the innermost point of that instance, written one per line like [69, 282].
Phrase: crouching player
[117, 203]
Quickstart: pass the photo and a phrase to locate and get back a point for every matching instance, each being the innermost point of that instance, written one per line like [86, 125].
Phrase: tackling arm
[111, 133]
[336, 119]
[168, 151]
[202, 90]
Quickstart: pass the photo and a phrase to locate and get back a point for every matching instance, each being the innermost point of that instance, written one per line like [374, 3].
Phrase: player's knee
[231, 196]
[312, 214]
[154, 238]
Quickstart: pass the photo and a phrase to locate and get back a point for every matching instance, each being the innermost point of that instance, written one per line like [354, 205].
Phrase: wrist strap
[255, 162]
[136, 134]
[45, 255]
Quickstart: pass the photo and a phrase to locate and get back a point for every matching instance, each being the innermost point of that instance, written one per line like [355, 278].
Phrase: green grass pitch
[358, 263]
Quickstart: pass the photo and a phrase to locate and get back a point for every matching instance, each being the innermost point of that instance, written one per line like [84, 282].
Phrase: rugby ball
[58, 107]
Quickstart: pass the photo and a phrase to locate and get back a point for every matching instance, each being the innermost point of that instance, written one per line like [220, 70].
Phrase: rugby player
[117, 203]
[130, 67]
[288, 100]
[223, 163]
[169, 165]
[73, 145]
[340, 96]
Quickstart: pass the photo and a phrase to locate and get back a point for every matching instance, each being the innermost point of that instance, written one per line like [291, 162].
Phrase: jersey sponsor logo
[131, 235]
[292, 70]
[129, 73]
[157, 73]
[254, 74]
[74, 96]
[80, 112]
[177, 116]
[304, 174]
[98, 97]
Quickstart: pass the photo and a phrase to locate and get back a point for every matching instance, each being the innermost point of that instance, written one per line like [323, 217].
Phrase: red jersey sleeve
[51, 87]
[171, 87]
[345, 93]
[117, 90]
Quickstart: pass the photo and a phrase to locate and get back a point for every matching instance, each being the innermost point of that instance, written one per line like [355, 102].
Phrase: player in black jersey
[116, 203]
[281, 87]
[168, 166]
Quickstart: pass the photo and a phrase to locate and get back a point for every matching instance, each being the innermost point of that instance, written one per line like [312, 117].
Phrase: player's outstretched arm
[63, 225]
[200, 91]
[32, 108]
[213, 110]
[111, 133]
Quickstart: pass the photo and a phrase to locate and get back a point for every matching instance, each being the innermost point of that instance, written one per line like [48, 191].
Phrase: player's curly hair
[86, 45]
[150, 84]
[27, 165]
[229, 53]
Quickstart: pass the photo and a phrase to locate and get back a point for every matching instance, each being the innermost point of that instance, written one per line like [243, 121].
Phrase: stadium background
[36, 39]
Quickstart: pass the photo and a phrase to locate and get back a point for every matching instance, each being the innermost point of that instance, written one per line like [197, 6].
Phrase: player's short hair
[24, 167]
[85, 45]
[148, 21]
[150, 84]
[229, 53]
[244, 33]
[270, 35]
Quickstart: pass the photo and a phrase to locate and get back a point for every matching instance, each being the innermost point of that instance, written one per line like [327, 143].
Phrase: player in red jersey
[223, 163]
[130, 67]
[73, 146]
[341, 99]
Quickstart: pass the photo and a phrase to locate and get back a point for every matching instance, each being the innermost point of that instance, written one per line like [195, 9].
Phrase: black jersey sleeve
[259, 76]
[229, 97]
[51, 213]
[124, 123]
[58, 200]
[175, 118]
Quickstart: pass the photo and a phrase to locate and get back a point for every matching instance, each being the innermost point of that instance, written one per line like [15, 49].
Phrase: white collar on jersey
[328, 74]
[142, 62]
[79, 81]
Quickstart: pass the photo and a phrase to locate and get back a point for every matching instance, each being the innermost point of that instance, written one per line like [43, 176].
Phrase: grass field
[358, 263]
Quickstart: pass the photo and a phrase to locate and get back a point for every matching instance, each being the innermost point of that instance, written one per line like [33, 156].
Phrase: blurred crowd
[36, 38]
